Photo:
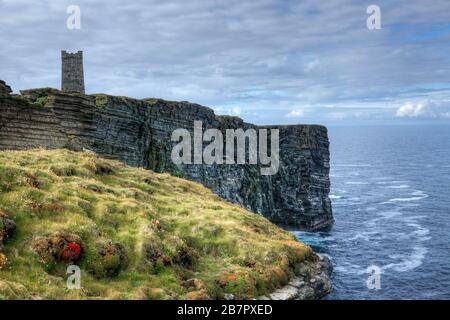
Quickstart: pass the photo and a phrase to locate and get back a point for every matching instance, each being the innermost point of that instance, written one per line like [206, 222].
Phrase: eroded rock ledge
[138, 133]
[313, 283]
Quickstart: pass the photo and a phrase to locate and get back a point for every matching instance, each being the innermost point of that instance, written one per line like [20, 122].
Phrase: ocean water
[391, 201]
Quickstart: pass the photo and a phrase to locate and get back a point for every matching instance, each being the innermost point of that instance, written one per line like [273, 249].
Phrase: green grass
[41, 102]
[179, 240]
[101, 100]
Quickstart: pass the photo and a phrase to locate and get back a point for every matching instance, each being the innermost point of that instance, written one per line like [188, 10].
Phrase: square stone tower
[72, 75]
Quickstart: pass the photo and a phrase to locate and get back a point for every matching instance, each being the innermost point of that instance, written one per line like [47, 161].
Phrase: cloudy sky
[267, 61]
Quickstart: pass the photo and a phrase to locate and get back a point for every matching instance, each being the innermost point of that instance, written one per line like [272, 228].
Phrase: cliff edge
[138, 132]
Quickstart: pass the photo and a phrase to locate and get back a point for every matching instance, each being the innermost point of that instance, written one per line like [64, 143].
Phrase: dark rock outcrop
[138, 132]
[5, 90]
[58, 247]
[313, 283]
[109, 260]
[7, 228]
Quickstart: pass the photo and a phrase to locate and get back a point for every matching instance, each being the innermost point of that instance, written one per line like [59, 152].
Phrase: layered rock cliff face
[138, 132]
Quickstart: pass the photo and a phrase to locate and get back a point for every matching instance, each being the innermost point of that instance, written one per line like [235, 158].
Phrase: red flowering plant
[71, 252]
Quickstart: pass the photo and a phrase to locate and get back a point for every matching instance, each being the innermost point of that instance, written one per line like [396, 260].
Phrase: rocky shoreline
[313, 283]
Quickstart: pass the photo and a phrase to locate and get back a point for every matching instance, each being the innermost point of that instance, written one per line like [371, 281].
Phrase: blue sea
[391, 201]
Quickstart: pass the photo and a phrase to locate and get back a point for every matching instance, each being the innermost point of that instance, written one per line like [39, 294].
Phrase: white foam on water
[350, 268]
[410, 262]
[402, 199]
[353, 165]
[416, 196]
[413, 219]
[356, 183]
[340, 269]
[402, 186]
[332, 196]
[421, 233]
[402, 236]
[365, 235]
[410, 204]
[382, 178]
[390, 214]
[391, 182]
[359, 236]
[338, 190]
[372, 223]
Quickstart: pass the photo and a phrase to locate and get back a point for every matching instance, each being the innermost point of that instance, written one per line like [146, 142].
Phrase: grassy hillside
[134, 233]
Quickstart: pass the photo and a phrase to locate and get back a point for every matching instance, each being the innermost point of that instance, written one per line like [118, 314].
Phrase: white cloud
[236, 111]
[312, 65]
[430, 109]
[336, 115]
[295, 114]
[411, 110]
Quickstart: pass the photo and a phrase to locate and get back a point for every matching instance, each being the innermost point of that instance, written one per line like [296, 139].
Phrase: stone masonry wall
[72, 77]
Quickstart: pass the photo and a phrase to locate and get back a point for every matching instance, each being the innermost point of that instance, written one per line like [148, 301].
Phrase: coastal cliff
[138, 132]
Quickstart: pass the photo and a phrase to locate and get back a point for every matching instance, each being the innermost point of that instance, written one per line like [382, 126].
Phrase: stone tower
[72, 75]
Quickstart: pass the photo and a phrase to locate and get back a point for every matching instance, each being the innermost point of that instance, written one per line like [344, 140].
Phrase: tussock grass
[180, 239]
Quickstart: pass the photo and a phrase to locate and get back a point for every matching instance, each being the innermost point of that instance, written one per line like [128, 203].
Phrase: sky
[266, 61]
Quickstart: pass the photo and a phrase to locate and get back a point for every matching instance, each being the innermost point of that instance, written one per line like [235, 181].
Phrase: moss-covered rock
[110, 258]
[59, 247]
[41, 102]
[101, 100]
[7, 227]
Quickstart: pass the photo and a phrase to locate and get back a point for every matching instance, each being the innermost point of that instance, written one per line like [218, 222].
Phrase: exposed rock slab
[313, 283]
